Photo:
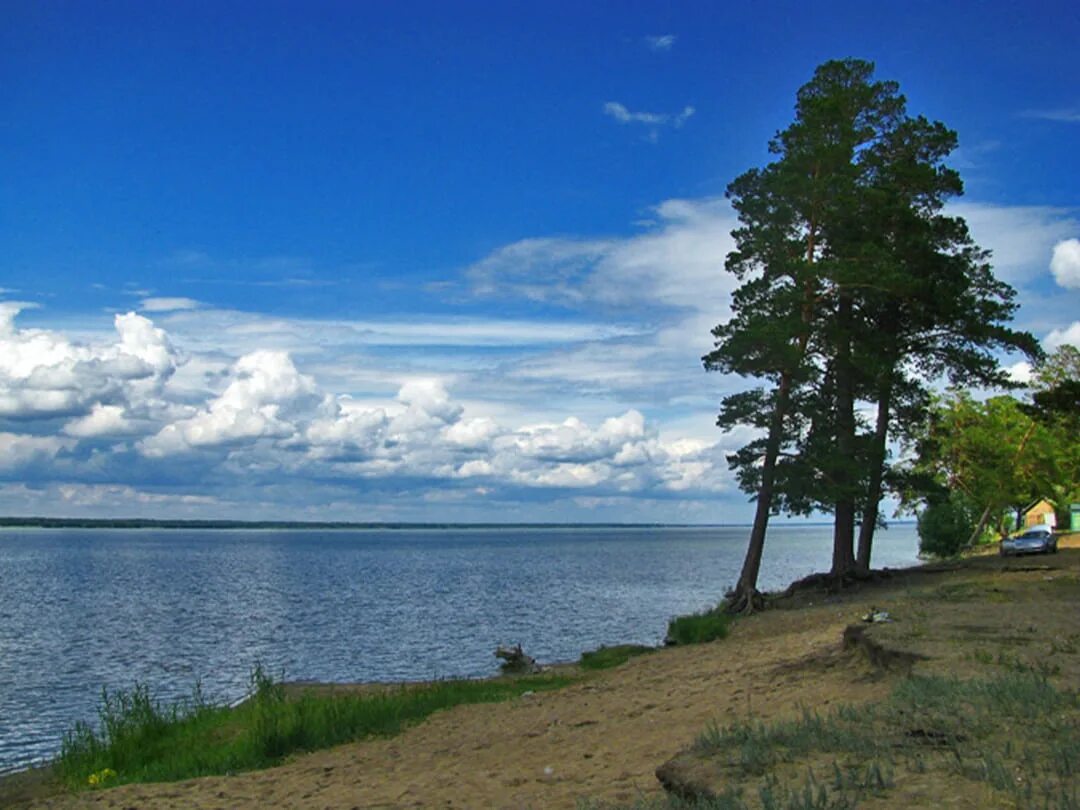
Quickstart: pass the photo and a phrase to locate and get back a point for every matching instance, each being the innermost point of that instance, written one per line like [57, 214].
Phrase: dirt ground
[603, 738]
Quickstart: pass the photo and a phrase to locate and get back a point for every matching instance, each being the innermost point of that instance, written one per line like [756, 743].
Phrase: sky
[430, 261]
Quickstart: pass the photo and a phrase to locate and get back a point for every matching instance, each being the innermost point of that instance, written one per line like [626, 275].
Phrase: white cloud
[43, 373]
[1069, 335]
[256, 425]
[265, 389]
[472, 433]
[119, 495]
[1070, 115]
[678, 261]
[18, 450]
[103, 420]
[669, 278]
[621, 114]
[652, 120]
[168, 304]
[1065, 263]
[233, 330]
[604, 403]
[1021, 237]
[663, 42]
[1019, 372]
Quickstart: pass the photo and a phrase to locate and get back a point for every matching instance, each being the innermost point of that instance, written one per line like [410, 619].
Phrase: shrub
[944, 528]
[698, 628]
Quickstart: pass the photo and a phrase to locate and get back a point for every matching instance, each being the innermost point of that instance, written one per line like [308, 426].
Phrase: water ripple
[81, 610]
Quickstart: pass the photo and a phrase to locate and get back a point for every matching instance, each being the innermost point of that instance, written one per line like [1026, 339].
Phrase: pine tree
[854, 288]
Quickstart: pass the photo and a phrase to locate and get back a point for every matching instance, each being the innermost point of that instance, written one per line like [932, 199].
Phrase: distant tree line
[152, 523]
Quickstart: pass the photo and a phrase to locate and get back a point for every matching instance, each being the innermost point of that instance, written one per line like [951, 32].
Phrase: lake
[84, 609]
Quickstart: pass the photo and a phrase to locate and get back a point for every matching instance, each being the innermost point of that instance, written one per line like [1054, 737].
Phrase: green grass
[607, 657]
[143, 740]
[698, 628]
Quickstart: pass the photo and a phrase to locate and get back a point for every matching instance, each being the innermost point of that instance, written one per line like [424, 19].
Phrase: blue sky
[442, 261]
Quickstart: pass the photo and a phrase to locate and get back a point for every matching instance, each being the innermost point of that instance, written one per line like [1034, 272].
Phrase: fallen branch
[515, 661]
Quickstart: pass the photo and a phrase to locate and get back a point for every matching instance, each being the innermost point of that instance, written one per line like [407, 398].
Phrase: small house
[1040, 513]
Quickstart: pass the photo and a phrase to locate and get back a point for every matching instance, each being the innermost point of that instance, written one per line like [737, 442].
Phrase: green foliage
[996, 456]
[608, 657]
[854, 286]
[698, 628]
[945, 527]
[142, 740]
[1056, 407]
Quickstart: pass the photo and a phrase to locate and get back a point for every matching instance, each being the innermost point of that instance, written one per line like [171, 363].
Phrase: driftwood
[515, 661]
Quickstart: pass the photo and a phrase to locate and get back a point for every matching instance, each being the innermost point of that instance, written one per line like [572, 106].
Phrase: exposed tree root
[744, 602]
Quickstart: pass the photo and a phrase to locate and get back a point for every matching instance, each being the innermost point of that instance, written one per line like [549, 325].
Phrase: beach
[602, 739]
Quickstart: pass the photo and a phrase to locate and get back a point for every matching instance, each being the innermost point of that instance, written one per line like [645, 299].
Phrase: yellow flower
[100, 777]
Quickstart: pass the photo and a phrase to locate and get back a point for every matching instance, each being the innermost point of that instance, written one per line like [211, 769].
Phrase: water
[82, 609]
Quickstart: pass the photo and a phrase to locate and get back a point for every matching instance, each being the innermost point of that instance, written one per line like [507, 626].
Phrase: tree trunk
[843, 562]
[877, 473]
[746, 598]
[975, 535]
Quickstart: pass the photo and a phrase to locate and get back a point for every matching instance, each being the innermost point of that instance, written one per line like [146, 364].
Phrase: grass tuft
[698, 628]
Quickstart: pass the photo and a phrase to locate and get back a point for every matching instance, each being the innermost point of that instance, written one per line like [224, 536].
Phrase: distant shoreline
[153, 523]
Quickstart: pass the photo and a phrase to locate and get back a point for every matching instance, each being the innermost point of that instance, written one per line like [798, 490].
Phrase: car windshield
[1033, 535]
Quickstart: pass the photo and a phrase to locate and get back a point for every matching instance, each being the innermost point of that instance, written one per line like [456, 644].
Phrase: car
[1033, 540]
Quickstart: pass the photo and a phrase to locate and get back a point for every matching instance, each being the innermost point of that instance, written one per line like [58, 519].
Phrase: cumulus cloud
[270, 417]
[264, 391]
[1020, 372]
[17, 451]
[1065, 263]
[1066, 336]
[43, 373]
[103, 420]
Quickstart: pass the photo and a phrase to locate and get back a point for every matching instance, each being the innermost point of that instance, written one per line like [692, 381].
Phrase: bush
[698, 628]
[944, 528]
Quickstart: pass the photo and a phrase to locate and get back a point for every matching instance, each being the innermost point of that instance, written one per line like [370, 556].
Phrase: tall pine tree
[853, 287]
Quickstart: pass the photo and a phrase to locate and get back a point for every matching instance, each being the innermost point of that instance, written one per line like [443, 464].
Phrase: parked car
[1033, 540]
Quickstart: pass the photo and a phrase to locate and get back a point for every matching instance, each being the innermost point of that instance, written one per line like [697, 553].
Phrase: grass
[608, 657]
[698, 628]
[139, 739]
[1015, 735]
[1016, 732]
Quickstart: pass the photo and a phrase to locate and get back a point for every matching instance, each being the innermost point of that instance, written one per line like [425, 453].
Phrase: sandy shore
[603, 738]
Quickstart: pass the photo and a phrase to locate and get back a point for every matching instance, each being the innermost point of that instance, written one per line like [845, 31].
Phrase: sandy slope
[601, 739]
